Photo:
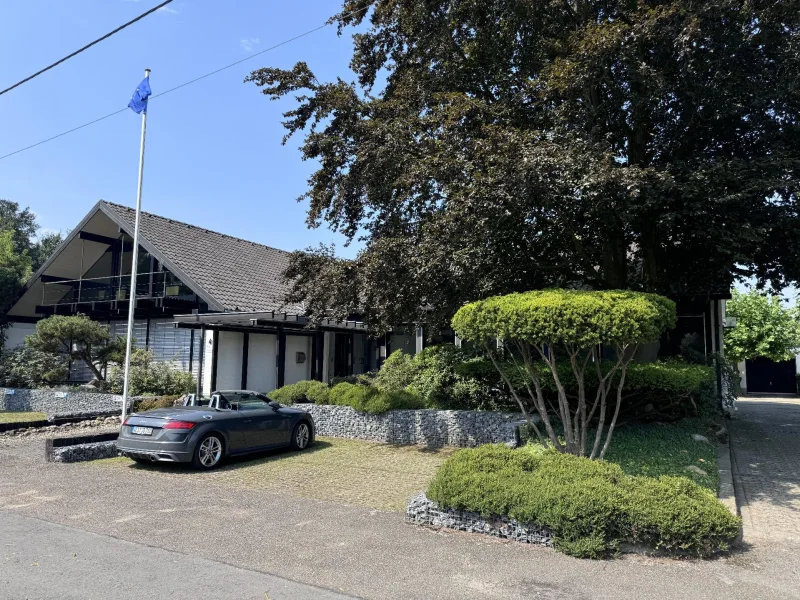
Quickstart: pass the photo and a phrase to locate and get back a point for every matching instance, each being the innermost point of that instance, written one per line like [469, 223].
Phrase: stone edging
[422, 511]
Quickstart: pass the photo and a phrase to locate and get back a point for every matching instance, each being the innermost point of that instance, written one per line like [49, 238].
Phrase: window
[252, 402]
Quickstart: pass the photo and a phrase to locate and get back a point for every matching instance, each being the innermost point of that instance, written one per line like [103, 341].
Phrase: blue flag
[138, 103]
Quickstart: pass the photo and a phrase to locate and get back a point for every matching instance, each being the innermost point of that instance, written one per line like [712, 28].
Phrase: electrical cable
[177, 87]
[87, 46]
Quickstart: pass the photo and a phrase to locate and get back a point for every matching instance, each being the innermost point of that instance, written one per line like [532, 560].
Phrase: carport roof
[238, 275]
[260, 320]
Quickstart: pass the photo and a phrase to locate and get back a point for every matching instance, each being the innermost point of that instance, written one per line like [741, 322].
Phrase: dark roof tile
[238, 274]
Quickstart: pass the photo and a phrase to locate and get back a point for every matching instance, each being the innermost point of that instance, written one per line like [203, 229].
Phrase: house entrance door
[343, 351]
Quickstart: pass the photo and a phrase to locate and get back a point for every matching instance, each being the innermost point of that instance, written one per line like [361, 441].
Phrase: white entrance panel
[261, 366]
[298, 348]
[208, 354]
[229, 360]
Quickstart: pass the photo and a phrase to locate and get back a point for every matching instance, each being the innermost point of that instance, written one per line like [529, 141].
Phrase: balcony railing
[159, 284]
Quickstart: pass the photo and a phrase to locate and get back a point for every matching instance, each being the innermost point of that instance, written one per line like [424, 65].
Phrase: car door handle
[247, 421]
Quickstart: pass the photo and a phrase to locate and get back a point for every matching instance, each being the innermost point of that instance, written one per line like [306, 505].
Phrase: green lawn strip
[21, 417]
[656, 449]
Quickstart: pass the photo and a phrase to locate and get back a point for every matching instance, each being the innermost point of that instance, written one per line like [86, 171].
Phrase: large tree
[21, 253]
[765, 327]
[493, 146]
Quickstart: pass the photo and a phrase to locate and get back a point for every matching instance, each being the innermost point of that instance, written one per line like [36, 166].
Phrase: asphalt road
[43, 561]
[357, 551]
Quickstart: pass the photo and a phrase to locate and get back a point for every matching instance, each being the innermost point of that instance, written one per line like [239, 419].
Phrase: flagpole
[134, 265]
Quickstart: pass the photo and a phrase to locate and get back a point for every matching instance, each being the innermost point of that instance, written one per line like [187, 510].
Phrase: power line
[87, 46]
[196, 79]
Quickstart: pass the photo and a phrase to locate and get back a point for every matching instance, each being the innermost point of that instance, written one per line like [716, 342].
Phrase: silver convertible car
[204, 431]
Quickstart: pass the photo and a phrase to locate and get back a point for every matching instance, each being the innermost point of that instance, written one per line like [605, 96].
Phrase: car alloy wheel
[301, 436]
[210, 451]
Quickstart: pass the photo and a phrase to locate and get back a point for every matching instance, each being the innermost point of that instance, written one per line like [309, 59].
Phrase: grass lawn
[666, 449]
[347, 471]
[21, 417]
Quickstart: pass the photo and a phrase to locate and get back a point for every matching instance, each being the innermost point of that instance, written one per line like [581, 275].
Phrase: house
[212, 304]
[206, 302]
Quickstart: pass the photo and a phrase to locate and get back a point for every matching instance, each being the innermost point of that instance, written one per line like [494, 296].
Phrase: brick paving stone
[765, 443]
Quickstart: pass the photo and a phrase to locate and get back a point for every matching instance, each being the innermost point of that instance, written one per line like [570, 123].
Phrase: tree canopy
[21, 252]
[765, 327]
[498, 146]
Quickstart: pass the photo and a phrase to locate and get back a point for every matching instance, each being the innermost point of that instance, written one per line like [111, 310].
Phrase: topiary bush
[591, 506]
[544, 326]
[315, 392]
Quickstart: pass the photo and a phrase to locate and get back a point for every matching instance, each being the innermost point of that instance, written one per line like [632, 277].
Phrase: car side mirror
[274, 405]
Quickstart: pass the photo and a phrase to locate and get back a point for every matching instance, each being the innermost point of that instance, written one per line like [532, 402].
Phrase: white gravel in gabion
[430, 428]
[423, 511]
[84, 452]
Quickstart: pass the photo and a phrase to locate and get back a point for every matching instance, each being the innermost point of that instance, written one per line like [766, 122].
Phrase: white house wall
[261, 362]
[229, 360]
[16, 334]
[295, 371]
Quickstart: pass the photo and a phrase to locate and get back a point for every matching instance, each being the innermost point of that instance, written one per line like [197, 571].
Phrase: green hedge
[144, 404]
[589, 505]
[302, 391]
[372, 400]
[365, 398]
[658, 390]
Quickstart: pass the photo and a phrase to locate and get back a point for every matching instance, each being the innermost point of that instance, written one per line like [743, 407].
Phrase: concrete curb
[727, 486]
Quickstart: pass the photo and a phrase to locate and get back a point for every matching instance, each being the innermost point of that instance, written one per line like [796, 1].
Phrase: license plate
[142, 430]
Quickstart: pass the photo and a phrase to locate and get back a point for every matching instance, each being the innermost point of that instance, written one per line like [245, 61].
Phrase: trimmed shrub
[589, 505]
[315, 392]
[434, 376]
[150, 377]
[373, 400]
[28, 368]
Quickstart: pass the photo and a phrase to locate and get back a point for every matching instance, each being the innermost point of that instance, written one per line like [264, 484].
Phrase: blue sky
[214, 156]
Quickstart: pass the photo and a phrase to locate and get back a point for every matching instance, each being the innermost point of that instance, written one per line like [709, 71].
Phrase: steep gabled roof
[230, 273]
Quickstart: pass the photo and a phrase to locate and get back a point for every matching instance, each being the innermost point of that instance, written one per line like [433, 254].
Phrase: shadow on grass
[233, 462]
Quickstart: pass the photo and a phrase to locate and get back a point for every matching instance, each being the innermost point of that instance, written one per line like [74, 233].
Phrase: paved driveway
[354, 550]
[765, 439]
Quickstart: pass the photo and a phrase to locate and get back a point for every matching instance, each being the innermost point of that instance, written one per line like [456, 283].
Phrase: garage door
[765, 376]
